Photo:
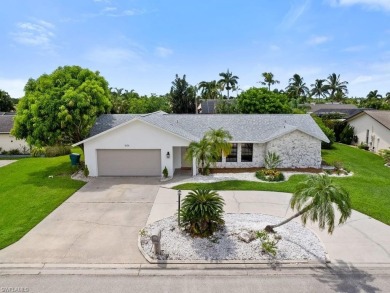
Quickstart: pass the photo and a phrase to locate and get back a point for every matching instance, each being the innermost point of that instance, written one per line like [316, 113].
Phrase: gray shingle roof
[383, 117]
[331, 106]
[6, 123]
[243, 127]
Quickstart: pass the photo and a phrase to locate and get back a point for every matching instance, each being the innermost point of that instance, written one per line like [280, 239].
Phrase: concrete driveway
[98, 224]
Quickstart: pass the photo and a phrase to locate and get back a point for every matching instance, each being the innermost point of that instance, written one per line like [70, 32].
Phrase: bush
[363, 146]
[57, 150]
[272, 160]
[328, 132]
[347, 135]
[385, 154]
[86, 171]
[270, 175]
[202, 212]
[14, 152]
[38, 151]
[165, 172]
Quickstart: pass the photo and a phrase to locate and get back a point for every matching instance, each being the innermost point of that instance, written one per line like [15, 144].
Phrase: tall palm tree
[297, 87]
[374, 95]
[269, 79]
[228, 81]
[210, 89]
[335, 85]
[319, 89]
[220, 138]
[315, 199]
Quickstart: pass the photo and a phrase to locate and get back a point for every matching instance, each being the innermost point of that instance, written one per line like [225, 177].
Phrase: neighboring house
[143, 145]
[372, 128]
[7, 141]
[345, 110]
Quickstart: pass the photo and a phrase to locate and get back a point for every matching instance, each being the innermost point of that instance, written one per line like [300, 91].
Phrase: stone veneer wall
[257, 159]
[297, 150]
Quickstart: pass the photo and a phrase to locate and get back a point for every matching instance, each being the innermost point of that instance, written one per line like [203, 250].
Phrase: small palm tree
[204, 152]
[297, 87]
[269, 79]
[315, 199]
[202, 212]
[228, 81]
[319, 89]
[219, 138]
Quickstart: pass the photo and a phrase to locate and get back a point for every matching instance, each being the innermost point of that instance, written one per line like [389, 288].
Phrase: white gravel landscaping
[297, 242]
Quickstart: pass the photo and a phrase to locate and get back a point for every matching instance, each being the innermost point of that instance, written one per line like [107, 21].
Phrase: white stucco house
[373, 128]
[143, 145]
[7, 141]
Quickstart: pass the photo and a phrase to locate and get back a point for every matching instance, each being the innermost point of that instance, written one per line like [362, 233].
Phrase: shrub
[38, 151]
[270, 175]
[385, 154]
[202, 212]
[57, 150]
[327, 131]
[14, 152]
[86, 171]
[165, 172]
[268, 245]
[346, 136]
[272, 160]
[363, 146]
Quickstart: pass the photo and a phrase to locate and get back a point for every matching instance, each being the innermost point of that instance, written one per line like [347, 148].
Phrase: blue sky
[141, 45]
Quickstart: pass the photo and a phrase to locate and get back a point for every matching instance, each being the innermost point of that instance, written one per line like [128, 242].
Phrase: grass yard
[28, 195]
[369, 187]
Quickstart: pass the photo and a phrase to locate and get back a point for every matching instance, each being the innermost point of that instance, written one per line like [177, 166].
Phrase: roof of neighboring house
[383, 117]
[208, 106]
[346, 113]
[331, 107]
[6, 123]
[243, 127]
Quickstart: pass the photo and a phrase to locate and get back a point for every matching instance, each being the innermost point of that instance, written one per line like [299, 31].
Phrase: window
[246, 152]
[232, 157]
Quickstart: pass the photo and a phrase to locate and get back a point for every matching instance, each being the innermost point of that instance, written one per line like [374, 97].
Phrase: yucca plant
[201, 213]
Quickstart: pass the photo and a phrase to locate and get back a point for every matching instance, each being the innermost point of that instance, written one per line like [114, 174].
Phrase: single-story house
[143, 145]
[372, 127]
[7, 141]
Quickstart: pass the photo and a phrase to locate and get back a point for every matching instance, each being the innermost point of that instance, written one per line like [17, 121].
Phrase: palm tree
[219, 138]
[374, 95]
[210, 89]
[296, 87]
[315, 199]
[228, 81]
[269, 79]
[319, 89]
[204, 153]
[387, 97]
[335, 86]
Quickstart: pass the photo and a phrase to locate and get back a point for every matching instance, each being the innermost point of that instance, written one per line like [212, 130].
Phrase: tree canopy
[262, 101]
[182, 96]
[6, 104]
[61, 107]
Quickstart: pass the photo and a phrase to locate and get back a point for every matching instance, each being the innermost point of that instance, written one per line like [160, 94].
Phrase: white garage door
[129, 162]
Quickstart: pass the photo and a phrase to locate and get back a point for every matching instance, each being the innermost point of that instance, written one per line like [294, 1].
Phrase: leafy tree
[314, 199]
[328, 132]
[210, 89]
[374, 95]
[297, 88]
[262, 101]
[6, 104]
[269, 79]
[61, 107]
[346, 136]
[228, 81]
[182, 96]
[337, 88]
[226, 107]
[319, 89]
[202, 212]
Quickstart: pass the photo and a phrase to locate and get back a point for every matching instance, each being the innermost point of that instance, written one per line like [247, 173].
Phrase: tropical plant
[201, 213]
[374, 95]
[315, 199]
[319, 89]
[336, 86]
[37, 151]
[297, 87]
[219, 139]
[385, 154]
[272, 160]
[269, 79]
[270, 175]
[210, 89]
[228, 81]
[182, 96]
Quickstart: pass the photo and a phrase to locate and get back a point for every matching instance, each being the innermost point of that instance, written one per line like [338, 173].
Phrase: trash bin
[75, 159]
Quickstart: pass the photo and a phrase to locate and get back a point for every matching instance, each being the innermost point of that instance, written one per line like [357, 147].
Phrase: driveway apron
[98, 224]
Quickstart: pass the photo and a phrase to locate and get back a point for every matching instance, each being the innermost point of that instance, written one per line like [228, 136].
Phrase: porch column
[194, 167]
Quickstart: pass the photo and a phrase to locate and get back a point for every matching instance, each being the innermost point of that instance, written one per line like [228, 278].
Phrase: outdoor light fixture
[168, 155]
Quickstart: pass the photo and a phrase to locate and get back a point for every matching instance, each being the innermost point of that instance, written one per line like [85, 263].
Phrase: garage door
[129, 162]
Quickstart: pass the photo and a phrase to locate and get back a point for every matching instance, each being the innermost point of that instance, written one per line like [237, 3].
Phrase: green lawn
[369, 187]
[28, 195]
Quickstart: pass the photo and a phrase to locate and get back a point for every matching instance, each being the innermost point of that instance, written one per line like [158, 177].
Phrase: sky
[142, 45]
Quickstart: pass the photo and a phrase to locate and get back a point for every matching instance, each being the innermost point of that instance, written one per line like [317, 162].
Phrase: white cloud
[295, 12]
[15, 87]
[318, 40]
[38, 33]
[373, 4]
[112, 56]
[163, 52]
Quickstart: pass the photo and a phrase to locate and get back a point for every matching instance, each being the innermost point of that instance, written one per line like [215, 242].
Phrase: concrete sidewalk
[362, 240]
[6, 162]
